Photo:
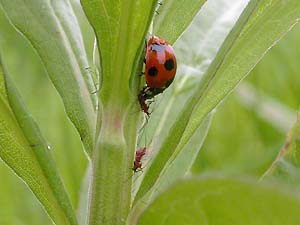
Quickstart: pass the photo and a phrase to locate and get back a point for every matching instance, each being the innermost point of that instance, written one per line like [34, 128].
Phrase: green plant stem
[111, 185]
[120, 28]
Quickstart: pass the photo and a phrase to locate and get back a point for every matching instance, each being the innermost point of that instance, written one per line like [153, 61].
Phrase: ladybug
[139, 154]
[160, 70]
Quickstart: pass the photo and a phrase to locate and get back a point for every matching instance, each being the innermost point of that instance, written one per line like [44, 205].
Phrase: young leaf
[50, 31]
[24, 150]
[221, 201]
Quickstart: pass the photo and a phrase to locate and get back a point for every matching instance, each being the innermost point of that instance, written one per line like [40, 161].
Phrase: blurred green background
[250, 126]
[247, 131]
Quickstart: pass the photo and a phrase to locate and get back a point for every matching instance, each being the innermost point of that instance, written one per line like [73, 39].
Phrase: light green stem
[111, 185]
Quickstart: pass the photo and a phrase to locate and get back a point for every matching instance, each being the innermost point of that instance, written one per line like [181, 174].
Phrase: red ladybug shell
[160, 63]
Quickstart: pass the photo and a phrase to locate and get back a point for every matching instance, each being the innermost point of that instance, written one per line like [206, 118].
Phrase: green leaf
[110, 22]
[174, 16]
[178, 166]
[27, 211]
[83, 206]
[260, 26]
[56, 37]
[24, 150]
[220, 201]
[2, 85]
[254, 34]
[180, 162]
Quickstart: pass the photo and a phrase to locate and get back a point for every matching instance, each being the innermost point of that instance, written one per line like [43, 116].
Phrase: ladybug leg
[147, 118]
[155, 91]
[150, 102]
[140, 169]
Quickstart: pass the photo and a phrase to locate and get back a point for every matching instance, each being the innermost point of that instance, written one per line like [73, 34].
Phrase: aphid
[160, 70]
[142, 100]
[137, 164]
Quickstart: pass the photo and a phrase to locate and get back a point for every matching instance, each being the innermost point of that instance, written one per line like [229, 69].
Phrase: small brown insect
[137, 164]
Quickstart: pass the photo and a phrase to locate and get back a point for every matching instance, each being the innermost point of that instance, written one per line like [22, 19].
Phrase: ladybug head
[156, 40]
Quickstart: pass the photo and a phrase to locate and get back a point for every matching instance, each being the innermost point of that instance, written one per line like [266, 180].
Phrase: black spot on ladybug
[157, 47]
[169, 64]
[153, 71]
